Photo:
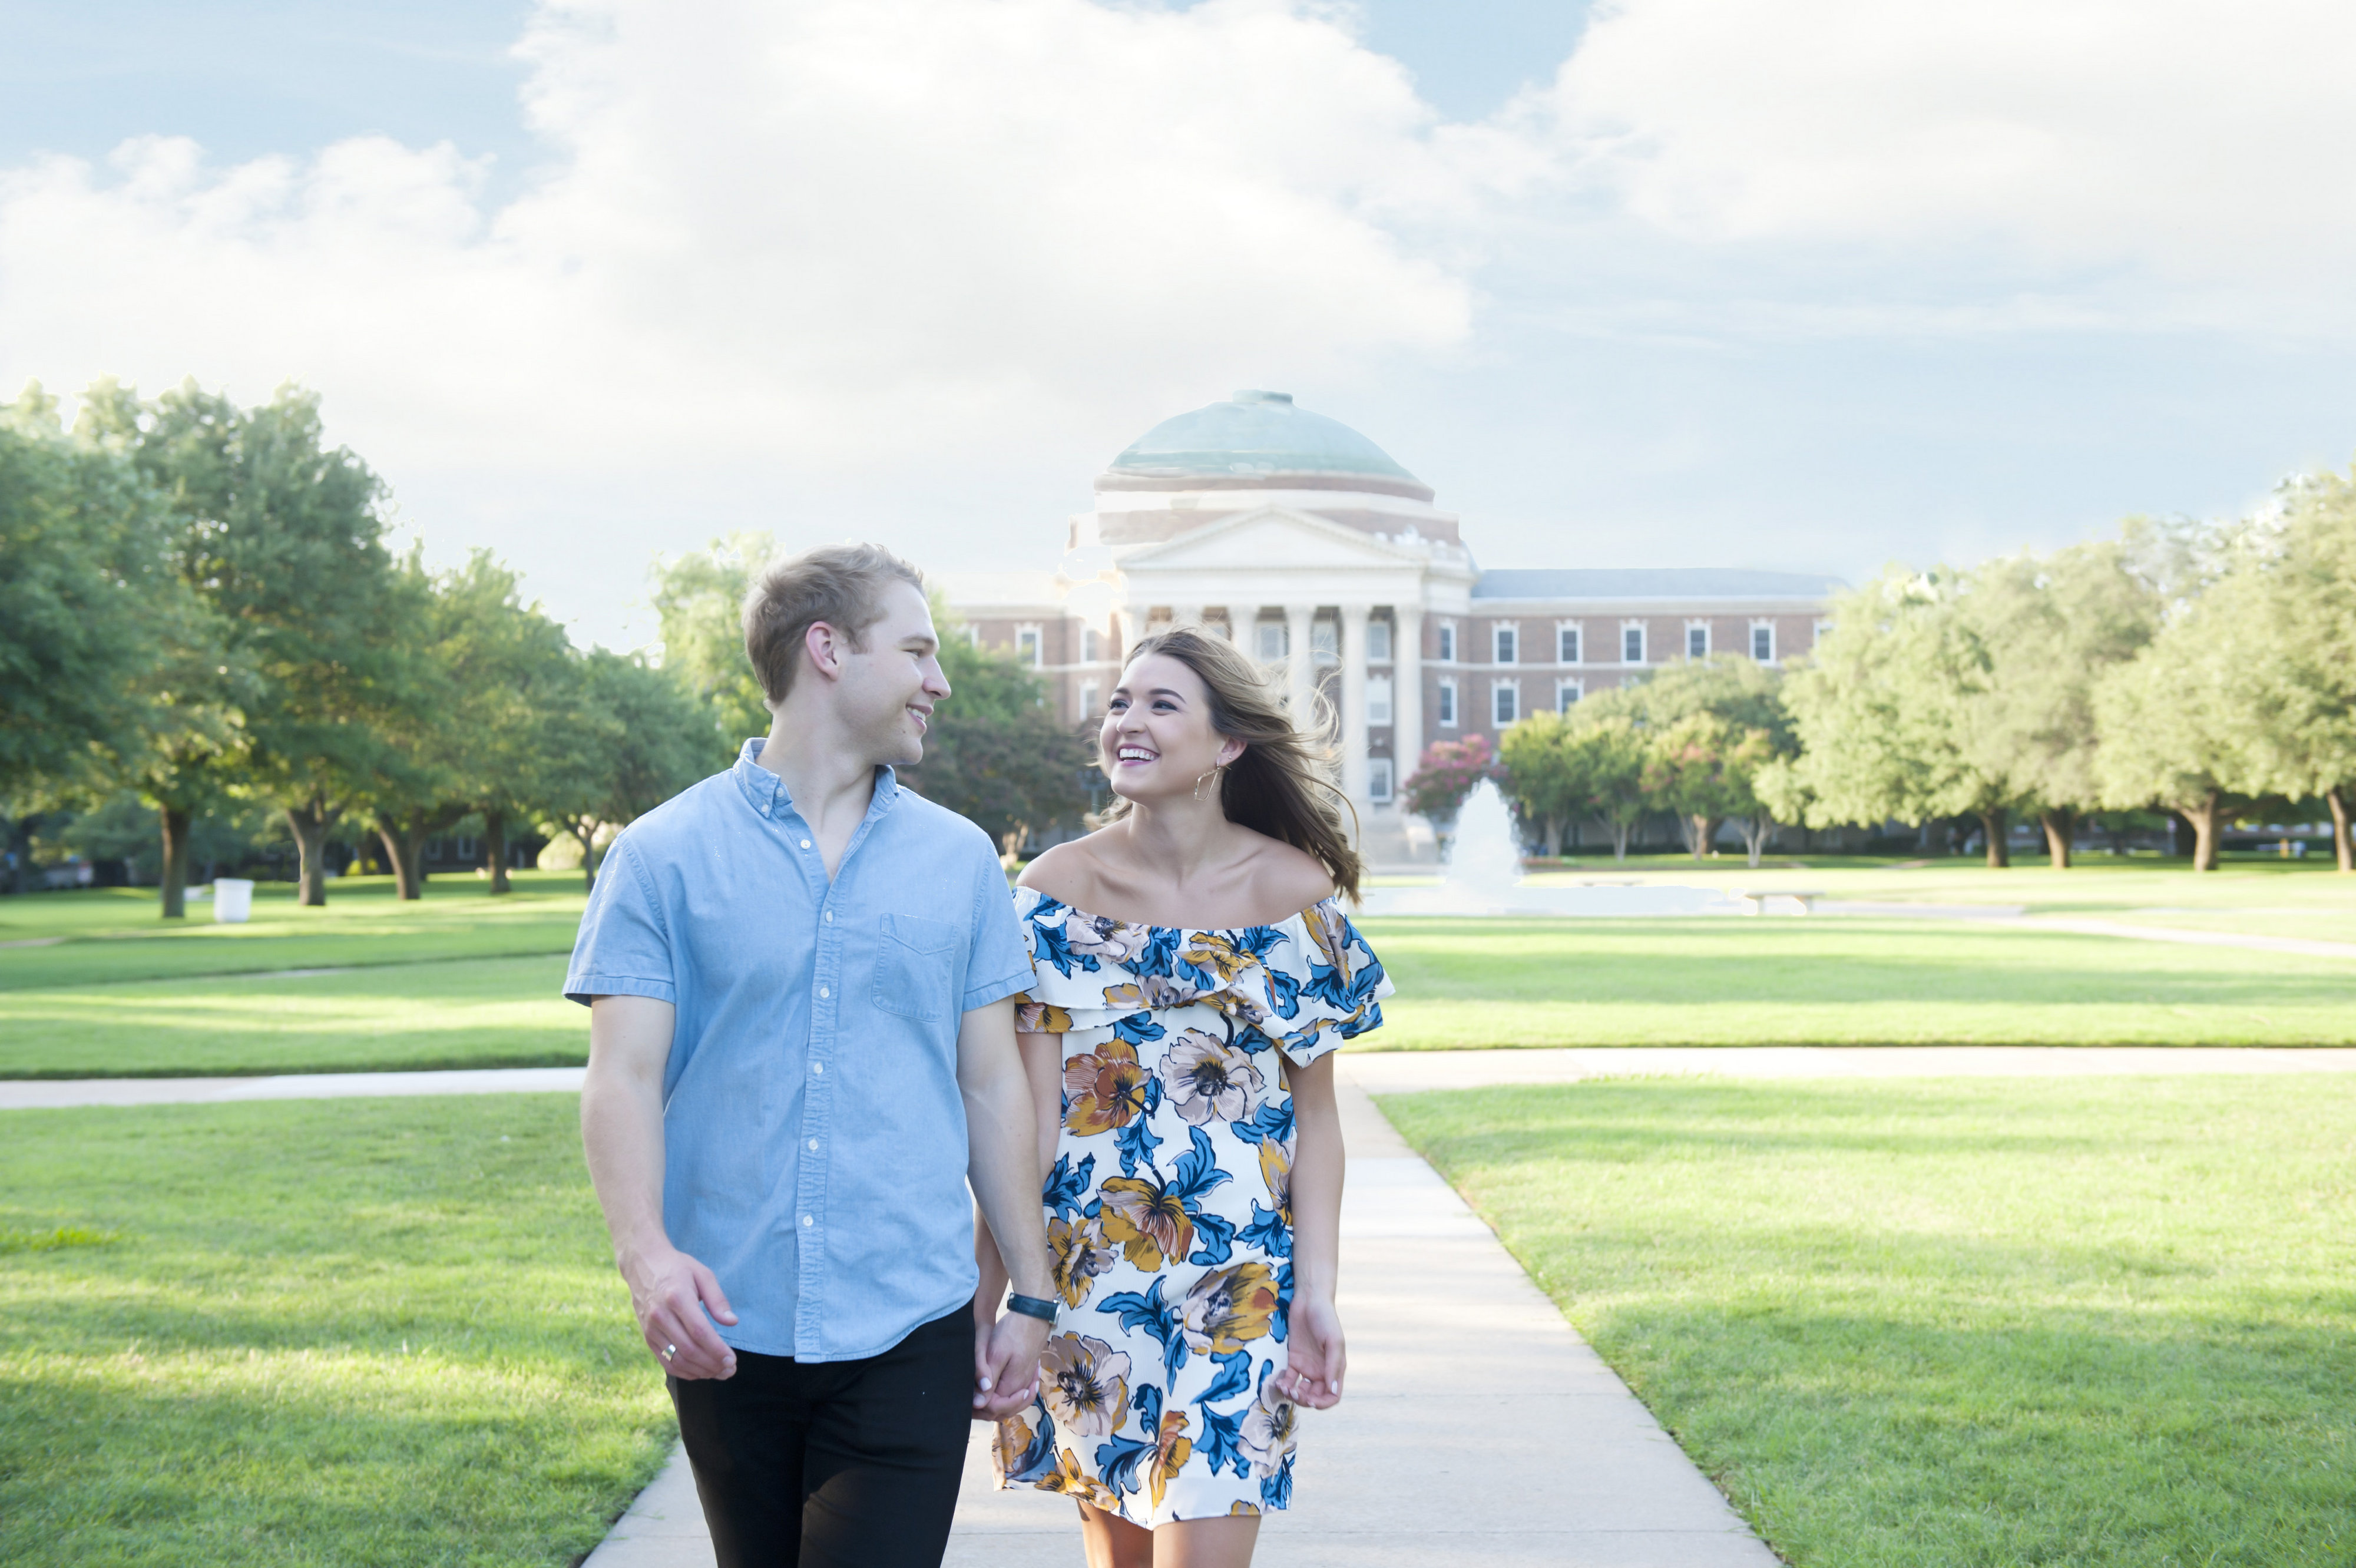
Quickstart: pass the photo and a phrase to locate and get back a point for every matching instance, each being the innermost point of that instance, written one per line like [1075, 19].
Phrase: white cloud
[2189, 141]
[803, 232]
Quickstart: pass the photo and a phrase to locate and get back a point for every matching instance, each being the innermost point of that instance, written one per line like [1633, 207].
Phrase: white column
[1352, 698]
[1300, 667]
[1407, 692]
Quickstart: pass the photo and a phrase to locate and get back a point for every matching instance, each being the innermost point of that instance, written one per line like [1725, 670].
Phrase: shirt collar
[768, 794]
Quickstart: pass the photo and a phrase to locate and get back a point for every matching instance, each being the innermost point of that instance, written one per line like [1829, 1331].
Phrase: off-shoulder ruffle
[1305, 984]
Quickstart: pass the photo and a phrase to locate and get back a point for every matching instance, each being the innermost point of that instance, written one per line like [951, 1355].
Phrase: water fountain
[1483, 876]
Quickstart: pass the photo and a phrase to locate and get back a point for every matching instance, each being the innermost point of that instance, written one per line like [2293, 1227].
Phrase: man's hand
[1006, 1365]
[670, 1291]
[1313, 1355]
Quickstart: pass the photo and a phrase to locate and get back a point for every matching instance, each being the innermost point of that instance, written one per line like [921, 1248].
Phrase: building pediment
[1272, 538]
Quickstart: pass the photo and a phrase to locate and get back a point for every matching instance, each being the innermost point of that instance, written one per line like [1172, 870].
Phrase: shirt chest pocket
[916, 966]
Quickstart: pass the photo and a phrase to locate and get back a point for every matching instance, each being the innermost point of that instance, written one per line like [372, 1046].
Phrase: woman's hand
[1314, 1355]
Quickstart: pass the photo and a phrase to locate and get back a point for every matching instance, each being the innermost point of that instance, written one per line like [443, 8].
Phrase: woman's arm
[1315, 1353]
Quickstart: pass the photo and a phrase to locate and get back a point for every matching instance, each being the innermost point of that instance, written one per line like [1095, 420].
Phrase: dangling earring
[1220, 773]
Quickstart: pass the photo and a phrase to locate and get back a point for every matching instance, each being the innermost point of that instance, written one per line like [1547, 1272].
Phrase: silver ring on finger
[669, 1351]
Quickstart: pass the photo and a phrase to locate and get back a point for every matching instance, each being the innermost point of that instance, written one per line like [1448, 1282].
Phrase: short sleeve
[997, 965]
[1340, 986]
[623, 948]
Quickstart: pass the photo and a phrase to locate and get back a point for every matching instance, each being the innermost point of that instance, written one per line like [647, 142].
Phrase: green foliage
[701, 597]
[629, 738]
[1446, 774]
[996, 753]
[84, 571]
[2083, 1323]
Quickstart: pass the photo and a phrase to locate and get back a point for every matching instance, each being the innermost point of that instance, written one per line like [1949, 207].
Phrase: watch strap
[1036, 1307]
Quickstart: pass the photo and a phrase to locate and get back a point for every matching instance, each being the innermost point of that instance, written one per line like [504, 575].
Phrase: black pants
[834, 1464]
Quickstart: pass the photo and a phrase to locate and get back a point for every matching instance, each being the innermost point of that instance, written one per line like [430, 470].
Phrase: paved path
[32, 1094]
[1479, 1428]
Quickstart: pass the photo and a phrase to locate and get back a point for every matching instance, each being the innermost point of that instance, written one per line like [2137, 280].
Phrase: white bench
[1758, 900]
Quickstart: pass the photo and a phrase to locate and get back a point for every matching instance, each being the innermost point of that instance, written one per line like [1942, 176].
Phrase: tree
[86, 593]
[1607, 749]
[284, 539]
[996, 754]
[1541, 776]
[2168, 729]
[1882, 710]
[1447, 773]
[626, 738]
[1705, 768]
[2288, 624]
[701, 597]
[2046, 629]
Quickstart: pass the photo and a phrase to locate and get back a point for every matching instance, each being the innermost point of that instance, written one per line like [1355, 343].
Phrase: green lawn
[1861, 981]
[350, 1332]
[473, 1013]
[1945, 1324]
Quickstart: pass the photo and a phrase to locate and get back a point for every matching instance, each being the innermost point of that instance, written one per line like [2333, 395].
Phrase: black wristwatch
[1036, 1307]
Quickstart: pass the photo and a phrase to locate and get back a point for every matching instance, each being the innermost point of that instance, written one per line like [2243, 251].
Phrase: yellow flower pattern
[1170, 1206]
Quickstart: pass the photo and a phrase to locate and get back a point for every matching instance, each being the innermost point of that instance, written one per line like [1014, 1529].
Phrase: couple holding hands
[824, 1037]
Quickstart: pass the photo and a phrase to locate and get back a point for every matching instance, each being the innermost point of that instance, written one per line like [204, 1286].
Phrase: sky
[1813, 287]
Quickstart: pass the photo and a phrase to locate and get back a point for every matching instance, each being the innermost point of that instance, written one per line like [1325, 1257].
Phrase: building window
[1506, 638]
[1378, 699]
[1274, 641]
[972, 635]
[466, 848]
[1448, 701]
[1448, 642]
[1763, 643]
[1566, 645]
[1631, 645]
[1088, 700]
[1824, 630]
[1378, 642]
[1567, 692]
[1026, 646]
[1324, 643]
[1697, 640]
[1506, 702]
[1091, 645]
[1378, 779]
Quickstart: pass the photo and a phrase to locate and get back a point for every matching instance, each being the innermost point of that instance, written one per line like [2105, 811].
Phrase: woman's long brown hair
[1282, 785]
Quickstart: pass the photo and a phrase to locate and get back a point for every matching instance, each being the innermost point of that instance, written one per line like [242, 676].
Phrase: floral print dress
[1169, 1209]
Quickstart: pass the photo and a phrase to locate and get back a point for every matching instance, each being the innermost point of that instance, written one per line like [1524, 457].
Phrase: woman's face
[1157, 739]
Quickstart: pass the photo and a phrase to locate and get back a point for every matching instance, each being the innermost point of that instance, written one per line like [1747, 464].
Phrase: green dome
[1251, 438]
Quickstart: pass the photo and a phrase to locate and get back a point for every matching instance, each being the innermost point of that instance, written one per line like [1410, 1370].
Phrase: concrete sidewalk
[1477, 1427]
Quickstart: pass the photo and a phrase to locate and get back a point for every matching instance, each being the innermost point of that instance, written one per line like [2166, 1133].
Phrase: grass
[1848, 981]
[356, 1332]
[406, 1017]
[2074, 1324]
[113, 934]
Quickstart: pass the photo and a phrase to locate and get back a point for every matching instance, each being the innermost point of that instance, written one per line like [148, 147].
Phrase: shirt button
[807, 1222]
[813, 1144]
[817, 1066]
[806, 843]
[823, 994]
[829, 917]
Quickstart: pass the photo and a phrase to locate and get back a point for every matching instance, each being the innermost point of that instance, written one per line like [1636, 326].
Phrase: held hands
[1314, 1355]
[1005, 1360]
[671, 1292]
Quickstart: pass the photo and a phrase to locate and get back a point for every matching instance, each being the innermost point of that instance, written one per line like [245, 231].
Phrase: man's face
[888, 690]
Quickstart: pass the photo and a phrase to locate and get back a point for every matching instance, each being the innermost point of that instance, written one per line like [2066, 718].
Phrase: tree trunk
[1756, 832]
[1553, 831]
[494, 848]
[2206, 816]
[585, 834]
[175, 862]
[2342, 848]
[309, 824]
[1620, 831]
[2060, 826]
[1695, 829]
[1999, 854]
[401, 846]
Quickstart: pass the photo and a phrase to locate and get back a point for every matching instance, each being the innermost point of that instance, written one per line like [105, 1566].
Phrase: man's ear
[826, 648]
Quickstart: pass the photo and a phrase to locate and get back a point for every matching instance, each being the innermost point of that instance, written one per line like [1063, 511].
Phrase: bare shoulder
[1066, 873]
[1287, 878]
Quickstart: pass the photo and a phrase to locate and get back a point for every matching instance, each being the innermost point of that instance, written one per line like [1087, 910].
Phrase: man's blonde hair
[842, 584]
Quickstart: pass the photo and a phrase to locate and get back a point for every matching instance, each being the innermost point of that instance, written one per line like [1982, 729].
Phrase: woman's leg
[1114, 1542]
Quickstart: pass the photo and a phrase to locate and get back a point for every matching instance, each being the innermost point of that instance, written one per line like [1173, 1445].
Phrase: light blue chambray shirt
[814, 1138]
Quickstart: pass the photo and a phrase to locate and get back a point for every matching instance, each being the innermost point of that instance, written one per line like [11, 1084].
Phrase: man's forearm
[622, 1120]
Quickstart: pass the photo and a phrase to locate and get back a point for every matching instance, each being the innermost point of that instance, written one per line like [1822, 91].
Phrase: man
[801, 1048]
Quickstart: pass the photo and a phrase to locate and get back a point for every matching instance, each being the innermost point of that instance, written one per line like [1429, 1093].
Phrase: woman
[1193, 974]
